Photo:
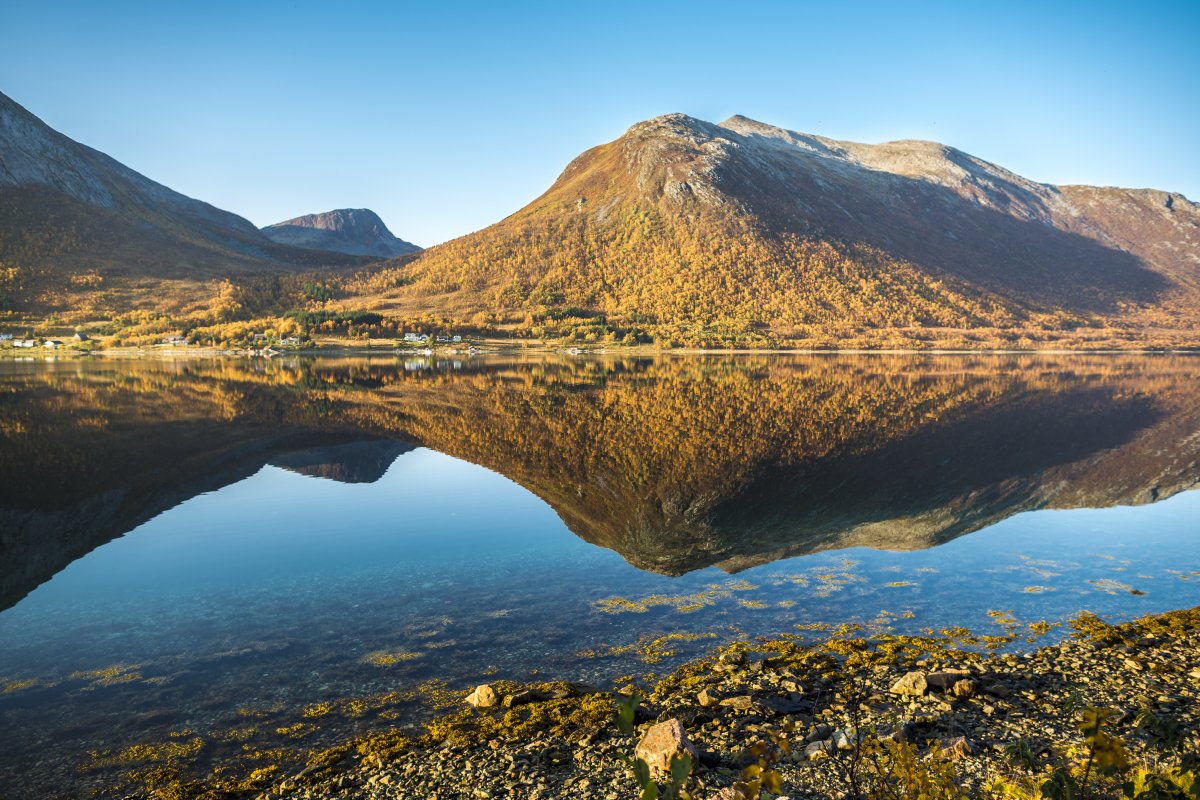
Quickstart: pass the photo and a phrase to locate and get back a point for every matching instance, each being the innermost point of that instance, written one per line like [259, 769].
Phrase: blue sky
[447, 117]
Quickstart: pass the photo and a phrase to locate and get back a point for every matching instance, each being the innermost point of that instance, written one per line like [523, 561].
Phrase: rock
[484, 696]
[945, 679]
[708, 698]
[741, 702]
[843, 739]
[819, 733]
[817, 750]
[956, 748]
[913, 684]
[522, 698]
[662, 742]
[963, 688]
[773, 705]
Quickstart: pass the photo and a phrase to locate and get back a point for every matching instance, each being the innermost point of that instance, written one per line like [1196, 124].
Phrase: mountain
[743, 227]
[358, 231]
[67, 209]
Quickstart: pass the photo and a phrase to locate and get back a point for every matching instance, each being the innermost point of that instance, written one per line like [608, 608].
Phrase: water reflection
[675, 464]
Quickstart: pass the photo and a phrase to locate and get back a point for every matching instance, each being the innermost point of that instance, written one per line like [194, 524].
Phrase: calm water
[214, 549]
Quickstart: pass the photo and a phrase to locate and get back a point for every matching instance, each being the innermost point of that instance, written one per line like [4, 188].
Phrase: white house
[415, 337]
[6, 337]
[291, 340]
[52, 344]
[25, 343]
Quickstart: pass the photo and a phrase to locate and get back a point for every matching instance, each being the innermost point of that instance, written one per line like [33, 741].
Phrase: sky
[446, 117]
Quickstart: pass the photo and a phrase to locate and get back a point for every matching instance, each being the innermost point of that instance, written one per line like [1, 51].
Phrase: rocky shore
[812, 706]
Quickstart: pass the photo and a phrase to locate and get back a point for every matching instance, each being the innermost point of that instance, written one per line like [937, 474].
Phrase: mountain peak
[357, 231]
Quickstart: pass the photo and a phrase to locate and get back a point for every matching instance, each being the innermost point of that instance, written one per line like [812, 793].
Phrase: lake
[235, 555]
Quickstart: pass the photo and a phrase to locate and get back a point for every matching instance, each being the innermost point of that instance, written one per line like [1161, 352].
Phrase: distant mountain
[67, 208]
[358, 231]
[745, 226]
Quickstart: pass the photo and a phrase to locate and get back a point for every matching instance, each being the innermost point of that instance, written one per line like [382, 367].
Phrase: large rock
[913, 684]
[484, 696]
[662, 742]
[944, 680]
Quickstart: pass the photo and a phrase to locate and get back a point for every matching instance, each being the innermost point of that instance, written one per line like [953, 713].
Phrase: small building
[24, 343]
[52, 344]
[175, 341]
[260, 337]
[81, 337]
[457, 339]
[291, 340]
[6, 337]
[415, 337]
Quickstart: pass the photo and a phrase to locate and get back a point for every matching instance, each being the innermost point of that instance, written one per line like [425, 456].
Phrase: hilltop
[357, 231]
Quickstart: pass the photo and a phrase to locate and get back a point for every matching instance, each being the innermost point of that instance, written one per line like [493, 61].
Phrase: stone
[741, 702]
[957, 748]
[944, 680]
[963, 688]
[843, 739]
[663, 741]
[708, 698]
[913, 684]
[484, 696]
[816, 750]
[521, 698]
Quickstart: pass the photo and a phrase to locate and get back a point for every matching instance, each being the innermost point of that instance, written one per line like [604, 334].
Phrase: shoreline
[957, 706]
[490, 349]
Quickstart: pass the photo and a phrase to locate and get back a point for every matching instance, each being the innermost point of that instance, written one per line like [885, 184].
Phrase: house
[24, 343]
[175, 341]
[260, 337]
[291, 340]
[52, 344]
[81, 337]
[457, 338]
[6, 337]
[415, 337]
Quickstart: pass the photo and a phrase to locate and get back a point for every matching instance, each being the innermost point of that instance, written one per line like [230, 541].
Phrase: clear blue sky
[446, 117]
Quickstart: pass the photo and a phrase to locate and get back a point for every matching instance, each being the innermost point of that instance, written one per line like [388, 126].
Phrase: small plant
[1174, 773]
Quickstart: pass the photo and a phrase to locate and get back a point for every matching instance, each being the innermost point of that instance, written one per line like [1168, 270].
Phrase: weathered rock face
[357, 231]
[663, 742]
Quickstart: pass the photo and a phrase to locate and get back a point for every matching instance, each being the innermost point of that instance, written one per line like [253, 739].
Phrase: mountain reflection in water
[674, 463]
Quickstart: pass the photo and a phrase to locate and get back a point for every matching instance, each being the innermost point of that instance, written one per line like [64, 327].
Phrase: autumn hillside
[715, 232]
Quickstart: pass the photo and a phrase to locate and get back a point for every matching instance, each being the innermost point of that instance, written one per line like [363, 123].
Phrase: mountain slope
[743, 226]
[357, 231]
[66, 208]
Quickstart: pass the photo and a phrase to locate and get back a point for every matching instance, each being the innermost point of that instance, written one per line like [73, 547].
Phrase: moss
[318, 710]
[17, 686]
[555, 717]
[385, 658]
